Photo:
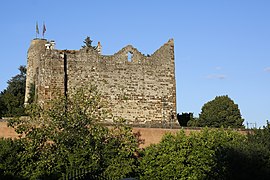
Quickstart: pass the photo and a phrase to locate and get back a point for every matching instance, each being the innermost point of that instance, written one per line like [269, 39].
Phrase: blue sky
[222, 47]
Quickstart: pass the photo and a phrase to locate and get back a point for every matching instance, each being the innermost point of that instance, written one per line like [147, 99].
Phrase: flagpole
[44, 30]
[37, 30]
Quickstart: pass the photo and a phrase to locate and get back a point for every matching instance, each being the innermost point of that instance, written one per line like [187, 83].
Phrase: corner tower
[34, 54]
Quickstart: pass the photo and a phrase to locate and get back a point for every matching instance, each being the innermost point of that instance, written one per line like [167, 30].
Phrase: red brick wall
[149, 135]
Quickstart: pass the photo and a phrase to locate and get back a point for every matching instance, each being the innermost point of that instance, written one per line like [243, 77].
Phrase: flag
[37, 30]
[44, 29]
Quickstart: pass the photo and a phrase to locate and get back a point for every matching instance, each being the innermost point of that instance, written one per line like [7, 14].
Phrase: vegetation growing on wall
[88, 43]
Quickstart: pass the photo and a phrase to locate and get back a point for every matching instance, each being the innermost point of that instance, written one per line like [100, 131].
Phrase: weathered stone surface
[141, 89]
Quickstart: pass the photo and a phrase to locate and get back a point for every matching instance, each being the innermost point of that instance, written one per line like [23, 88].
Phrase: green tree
[221, 112]
[10, 166]
[210, 154]
[261, 136]
[69, 136]
[12, 98]
[184, 118]
[193, 122]
[88, 43]
[3, 108]
[251, 160]
[197, 156]
[246, 160]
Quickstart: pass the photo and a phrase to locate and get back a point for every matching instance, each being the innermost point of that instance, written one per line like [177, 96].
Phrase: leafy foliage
[187, 157]
[9, 158]
[121, 152]
[247, 160]
[32, 94]
[252, 159]
[261, 136]
[193, 122]
[184, 118]
[12, 98]
[221, 112]
[69, 135]
[88, 43]
[3, 108]
[210, 154]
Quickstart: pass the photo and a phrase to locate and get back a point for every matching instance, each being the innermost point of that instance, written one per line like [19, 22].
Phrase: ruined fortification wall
[34, 55]
[141, 89]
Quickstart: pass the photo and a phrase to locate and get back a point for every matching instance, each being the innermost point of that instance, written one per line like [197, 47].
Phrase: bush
[10, 150]
[210, 154]
[197, 156]
[69, 136]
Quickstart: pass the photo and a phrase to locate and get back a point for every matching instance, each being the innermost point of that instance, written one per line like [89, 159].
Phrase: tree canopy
[69, 135]
[184, 118]
[88, 43]
[220, 112]
[196, 156]
[209, 154]
[262, 135]
[12, 98]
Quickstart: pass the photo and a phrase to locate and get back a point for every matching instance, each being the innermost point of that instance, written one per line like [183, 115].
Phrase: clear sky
[222, 47]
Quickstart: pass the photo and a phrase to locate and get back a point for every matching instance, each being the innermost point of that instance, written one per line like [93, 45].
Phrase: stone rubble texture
[140, 90]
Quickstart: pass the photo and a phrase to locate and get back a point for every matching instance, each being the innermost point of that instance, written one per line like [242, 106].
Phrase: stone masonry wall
[140, 90]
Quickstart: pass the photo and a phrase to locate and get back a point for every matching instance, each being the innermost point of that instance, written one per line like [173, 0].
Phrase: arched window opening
[129, 55]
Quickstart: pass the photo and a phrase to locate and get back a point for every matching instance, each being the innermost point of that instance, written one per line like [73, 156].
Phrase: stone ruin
[138, 88]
